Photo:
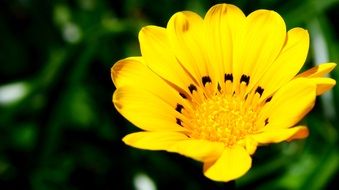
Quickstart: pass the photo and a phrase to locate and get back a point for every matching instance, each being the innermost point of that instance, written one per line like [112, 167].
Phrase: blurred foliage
[59, 129]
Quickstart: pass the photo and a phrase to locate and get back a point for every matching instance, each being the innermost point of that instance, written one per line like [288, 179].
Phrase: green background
[59, 129]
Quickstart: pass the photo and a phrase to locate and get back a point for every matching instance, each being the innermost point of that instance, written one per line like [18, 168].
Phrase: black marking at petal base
[259, 90]
[227, 77]
[205, 80]
[219, 87]
[268, 99]
[266, 121]
[245, 78]
[179, 108]
[183, 95]
[192, 88]
[179, 122]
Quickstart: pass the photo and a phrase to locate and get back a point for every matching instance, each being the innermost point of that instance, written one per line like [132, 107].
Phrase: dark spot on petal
[183, 95]
[179, 122]
[205, 80]
[268, 99]
[224, 11]
[245, 78]
[228, 77]
[192, 88]
[246, 96]
[266, 121]
[259, 90]
[185, 26]
[179, 108]
[219, 87]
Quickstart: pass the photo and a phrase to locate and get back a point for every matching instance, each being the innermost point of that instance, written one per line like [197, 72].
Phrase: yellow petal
[145, 110]
[157, 53]
[125, 71]
[318, 71]
[288, 63]
[281, 134]
[263, 40]
[232, 164]
[289, 104]
[133, 72]
[153, 140]
[249, 143]
[186, 34]
[223, 23]
[201, 150]
[323, 84]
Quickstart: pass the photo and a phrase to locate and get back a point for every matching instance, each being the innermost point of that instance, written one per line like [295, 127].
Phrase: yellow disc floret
[224, 119]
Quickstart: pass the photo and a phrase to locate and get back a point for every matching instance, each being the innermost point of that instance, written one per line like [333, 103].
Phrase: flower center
[224, 119]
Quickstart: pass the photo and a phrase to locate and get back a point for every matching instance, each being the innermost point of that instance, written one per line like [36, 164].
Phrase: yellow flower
[215, 88]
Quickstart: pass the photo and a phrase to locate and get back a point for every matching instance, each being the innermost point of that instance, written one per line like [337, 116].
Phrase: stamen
[225, 119]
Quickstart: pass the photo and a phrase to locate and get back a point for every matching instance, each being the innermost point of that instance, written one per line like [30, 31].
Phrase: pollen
[223, 119]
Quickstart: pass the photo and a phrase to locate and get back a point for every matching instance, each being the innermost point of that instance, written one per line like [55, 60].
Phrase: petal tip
[232, 164]
[302, 133]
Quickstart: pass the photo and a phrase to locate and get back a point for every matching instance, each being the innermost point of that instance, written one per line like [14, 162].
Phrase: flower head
[215, 88]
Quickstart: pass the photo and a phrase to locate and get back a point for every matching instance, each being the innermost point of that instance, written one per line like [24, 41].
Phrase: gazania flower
[215, 88]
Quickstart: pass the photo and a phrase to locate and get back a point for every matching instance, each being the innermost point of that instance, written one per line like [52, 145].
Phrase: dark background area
[59, 129]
